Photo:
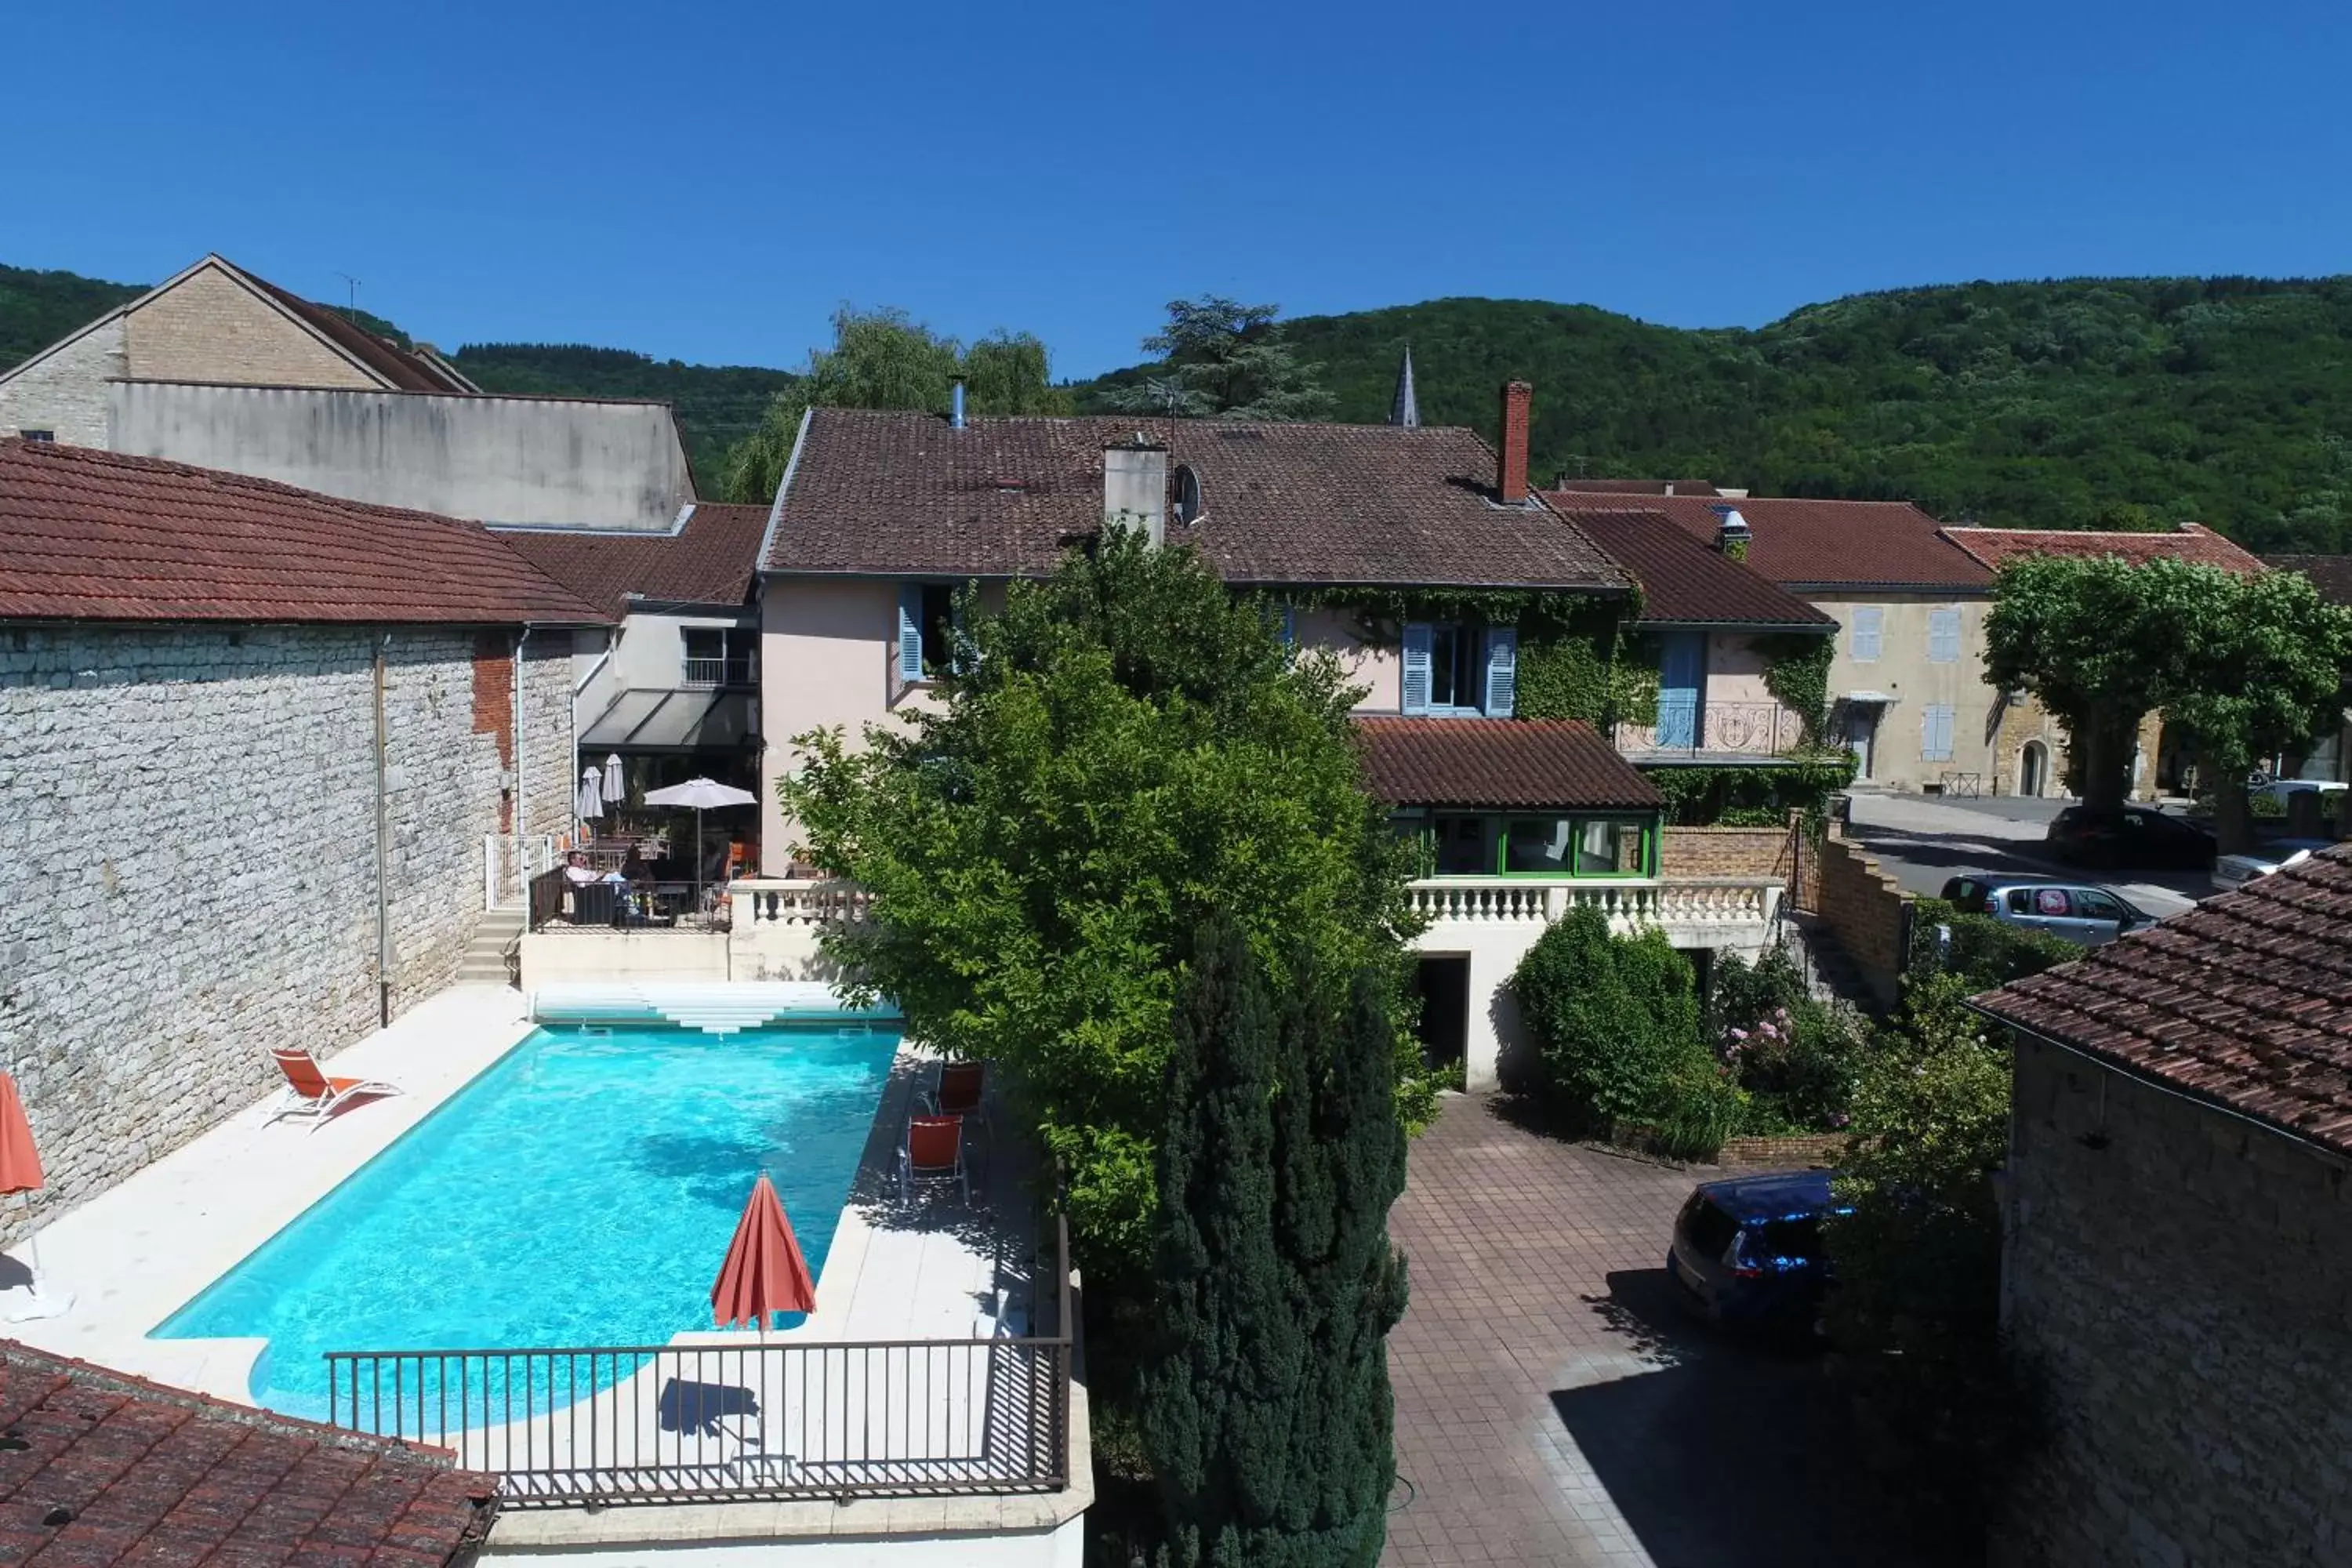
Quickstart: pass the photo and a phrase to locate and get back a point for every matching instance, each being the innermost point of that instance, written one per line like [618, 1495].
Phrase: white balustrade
[766, 899]
[1627, 904]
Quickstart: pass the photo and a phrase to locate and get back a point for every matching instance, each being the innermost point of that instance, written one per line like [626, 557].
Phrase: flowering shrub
[1792, 1057]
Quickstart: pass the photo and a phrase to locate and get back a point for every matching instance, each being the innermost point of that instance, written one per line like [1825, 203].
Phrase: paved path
[1553, 1408]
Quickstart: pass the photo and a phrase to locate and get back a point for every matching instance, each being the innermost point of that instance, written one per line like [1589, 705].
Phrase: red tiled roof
[1685, 583]
[906, 495]
[2245, 1001]
[1501, 763]
[133, 1472]
[407, 370]
[2331, 574]
[1637, 487]
[95, 535]
[2198, 546]
[1799, 543]
[711, 560]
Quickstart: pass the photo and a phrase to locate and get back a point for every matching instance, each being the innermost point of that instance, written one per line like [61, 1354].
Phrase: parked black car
[2134, 835]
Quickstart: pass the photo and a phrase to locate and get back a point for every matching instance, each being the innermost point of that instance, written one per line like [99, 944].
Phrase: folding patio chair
[959, 1090]
[312, 1094]
[933, 1155]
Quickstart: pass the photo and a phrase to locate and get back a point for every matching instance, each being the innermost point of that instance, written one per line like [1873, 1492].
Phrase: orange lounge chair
[933, 1154]
[959, 1091]
[312, 1094]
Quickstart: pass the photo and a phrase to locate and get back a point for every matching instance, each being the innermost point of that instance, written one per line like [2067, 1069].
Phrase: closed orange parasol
[20, 1172]
[764, 1271]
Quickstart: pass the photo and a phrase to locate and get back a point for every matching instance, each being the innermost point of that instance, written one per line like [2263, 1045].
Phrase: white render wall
[66, 393]
[188, 859]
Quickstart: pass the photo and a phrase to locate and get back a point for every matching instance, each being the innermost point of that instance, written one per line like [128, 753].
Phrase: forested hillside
[2074, 404]
[36, 308]
[2113, 403]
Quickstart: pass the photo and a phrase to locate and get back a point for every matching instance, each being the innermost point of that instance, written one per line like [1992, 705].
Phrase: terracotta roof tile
[405, 369]
[1833, 544]
[95, 535]
[711, 560]
[906, 495]
[2332, 574]
[2198, 546]
[152, 1474]
[1498, 763]
[2245, 1001]
[1685, 583]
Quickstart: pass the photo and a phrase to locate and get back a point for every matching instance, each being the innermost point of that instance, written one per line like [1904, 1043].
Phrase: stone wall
[1866, 909]
[65, 394]
[210, 327]
[2177, 1278]
[188, 862]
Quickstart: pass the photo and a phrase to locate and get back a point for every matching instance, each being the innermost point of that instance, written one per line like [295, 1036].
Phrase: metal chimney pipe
[955, 405]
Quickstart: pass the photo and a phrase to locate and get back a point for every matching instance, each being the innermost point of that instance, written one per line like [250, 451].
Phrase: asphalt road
[1923, 840]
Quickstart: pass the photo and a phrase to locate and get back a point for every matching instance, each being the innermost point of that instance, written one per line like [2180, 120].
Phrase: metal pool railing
[755, 1421]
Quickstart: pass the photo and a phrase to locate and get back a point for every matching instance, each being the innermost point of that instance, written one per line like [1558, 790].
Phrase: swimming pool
[581, 1192]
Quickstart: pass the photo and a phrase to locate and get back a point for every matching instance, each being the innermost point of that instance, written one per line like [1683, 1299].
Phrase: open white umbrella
[701, 795]
[591, 804]
[617, 789]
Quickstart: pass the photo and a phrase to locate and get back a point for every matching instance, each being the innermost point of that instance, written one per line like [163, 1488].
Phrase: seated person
[577, 871]
[634, 868]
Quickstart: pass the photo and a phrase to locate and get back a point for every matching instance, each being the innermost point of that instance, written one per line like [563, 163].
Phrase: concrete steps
[486, 960]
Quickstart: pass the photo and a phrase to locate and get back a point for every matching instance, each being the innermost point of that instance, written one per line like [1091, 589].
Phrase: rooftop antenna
[1170, 390]
[352, 310]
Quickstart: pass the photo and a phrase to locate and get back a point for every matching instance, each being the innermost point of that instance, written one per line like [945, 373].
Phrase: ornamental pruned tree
[1222, 359]
[1123, 750]
[886, 359]
[2248, 665]
[1266, 1408]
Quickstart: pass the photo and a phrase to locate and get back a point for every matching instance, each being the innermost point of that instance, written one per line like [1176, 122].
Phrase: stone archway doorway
[2033, 769]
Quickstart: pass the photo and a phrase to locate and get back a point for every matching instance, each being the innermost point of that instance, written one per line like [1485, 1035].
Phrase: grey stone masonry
[2179, 1281]
[188, 859]
[66, 393]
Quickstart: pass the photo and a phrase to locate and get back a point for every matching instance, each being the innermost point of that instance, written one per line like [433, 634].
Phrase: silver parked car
[2082, 913]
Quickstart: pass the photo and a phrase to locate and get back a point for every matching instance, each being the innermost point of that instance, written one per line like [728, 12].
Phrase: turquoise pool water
[581, 1192]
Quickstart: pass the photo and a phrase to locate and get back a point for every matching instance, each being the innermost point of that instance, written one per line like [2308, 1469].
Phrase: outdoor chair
[933, 1156]
[959, 1091]
[312, 1094]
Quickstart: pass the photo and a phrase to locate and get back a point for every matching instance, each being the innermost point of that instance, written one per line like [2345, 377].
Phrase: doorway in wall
[2033, 769]
[1859, 731]
[1443, 986]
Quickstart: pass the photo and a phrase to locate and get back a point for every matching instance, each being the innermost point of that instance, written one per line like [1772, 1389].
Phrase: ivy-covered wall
[1578, 656]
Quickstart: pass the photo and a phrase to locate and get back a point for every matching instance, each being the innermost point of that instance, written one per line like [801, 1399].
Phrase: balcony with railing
[1732, 906]
[1694, 731]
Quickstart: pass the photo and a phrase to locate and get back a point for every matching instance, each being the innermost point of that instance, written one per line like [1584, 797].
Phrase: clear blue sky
[709, 181]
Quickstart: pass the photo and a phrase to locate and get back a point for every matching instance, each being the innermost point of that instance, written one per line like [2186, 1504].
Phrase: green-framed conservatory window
[1551, 844]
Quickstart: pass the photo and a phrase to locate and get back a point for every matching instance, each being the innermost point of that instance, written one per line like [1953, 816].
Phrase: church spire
[1406, 409]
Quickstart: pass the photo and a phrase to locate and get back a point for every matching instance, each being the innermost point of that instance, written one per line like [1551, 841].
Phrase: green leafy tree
[1267, 1411]
[1126, 748]
[1615, 1020]
[1226, 360]
[2249, 665]
[886, 359]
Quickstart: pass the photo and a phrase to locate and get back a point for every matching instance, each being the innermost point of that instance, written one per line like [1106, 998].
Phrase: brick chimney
[1511, 472]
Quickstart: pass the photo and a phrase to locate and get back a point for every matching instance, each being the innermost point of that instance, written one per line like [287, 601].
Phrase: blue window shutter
[1867, 621]
[1943, 637]
[1936, 736]
[1416, 669]
[1502, 671]
[1681, 672]
[910, 631]
[1290, 626]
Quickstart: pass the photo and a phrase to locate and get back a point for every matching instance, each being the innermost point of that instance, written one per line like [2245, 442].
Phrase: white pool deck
[933, 1269]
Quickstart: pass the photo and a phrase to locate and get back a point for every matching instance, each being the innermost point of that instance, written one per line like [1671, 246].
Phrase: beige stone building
[220, 368]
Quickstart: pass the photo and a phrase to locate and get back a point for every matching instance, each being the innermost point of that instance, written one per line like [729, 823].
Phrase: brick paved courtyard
[1552, 1407]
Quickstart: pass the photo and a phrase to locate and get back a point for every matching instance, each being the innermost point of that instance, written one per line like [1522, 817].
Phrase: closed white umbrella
[615, 789]
[701, 795]
[591, 804]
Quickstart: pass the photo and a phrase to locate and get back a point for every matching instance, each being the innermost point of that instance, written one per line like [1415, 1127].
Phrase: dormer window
[1186, 484]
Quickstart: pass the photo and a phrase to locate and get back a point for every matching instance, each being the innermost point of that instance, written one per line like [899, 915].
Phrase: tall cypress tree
[1266, 1410]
